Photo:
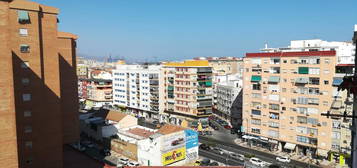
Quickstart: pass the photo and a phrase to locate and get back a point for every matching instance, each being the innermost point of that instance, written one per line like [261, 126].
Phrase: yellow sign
[173, 156]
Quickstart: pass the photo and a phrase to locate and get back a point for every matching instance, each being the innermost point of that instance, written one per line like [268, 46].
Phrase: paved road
[232, 147]
[220, 158]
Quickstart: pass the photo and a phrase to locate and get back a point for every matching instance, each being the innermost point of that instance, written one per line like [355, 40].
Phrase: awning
[303, 70]
[256, 78]
[248, 137]
[274, 79]
[273, 141]
[263, 138]
[337, 81]
[289, 146]
[302, 80]
[322, 152]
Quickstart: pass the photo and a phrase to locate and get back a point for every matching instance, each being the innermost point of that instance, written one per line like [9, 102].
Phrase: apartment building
[136, 88]
[98, 92]
[224, 65]
[188, 91]
[226, 95]
[39, 105]
[287, 89]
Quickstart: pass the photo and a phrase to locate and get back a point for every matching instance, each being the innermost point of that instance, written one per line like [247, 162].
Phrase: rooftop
[141, 132]
[188, 63]
[67, 35]
[115, 116]
[168, 129]
[292, 54]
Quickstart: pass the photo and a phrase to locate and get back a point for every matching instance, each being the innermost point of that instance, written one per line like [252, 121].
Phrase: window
[284, 89]
[256, 130]
[314, 91]
[256, 86]
[273, 124]
[314, 71]
[285, 61]
[313, 101]
[301, 130]
[24, 48]
[274, 106]
[255, 122]
[246, 69]
[26, 97]
[28, 144]
[312, 121]
[314, 81]
[336, 135]
[256, 95]
[302, 139]
[23, 17]
[302, 120]
[326, 82]
[27, 113]
[275, 61]
[23, 32]
[327, 60]
[28, 129]
[25, 81]
[256, 112]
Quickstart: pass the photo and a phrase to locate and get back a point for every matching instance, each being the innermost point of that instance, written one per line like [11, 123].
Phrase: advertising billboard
[191, 138]
[173, 141]
[173, 156]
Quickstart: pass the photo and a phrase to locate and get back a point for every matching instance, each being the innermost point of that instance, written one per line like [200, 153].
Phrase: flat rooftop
[141, 132]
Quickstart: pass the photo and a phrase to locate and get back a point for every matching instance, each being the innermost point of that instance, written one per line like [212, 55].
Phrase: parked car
[237, 156]
[123, 161]
[133, 164]
[204, 147]
[256, 161]
[213, 164]
[197, 163]
[283, 159]
[205, 162]
[215, 127]
[227, 127]
[218, 150]
[156, 122]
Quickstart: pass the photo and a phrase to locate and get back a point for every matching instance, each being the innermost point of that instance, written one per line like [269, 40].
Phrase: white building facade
[136, 87]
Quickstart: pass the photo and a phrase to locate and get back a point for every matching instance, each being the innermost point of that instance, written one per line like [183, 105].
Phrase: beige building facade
[285, 94]
[188, 90]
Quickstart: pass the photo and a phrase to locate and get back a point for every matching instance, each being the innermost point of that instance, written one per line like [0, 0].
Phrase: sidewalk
[323, 163]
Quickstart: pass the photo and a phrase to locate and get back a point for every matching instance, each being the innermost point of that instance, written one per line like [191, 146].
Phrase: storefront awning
[289, 146]
[248, 137]
[322, 152]
[274, 79]
[302, 80]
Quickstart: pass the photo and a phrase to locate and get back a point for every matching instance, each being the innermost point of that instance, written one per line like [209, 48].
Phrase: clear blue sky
[149, 30]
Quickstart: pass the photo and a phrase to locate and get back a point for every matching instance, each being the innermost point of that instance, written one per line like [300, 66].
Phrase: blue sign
[191, 138]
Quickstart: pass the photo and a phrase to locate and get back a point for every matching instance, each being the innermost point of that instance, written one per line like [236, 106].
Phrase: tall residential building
[136, 88]
[39, 105]
[188, 91]
[224, 65]
[287, 89]
[226, 104]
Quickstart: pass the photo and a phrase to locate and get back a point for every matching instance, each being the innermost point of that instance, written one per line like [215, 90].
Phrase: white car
[123, 161]
[284, 159]
[256, 161]
[237, 156]
[133, 164]
[219, 150]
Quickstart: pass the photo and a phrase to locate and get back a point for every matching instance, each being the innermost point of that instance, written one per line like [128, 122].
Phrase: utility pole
[354, 121]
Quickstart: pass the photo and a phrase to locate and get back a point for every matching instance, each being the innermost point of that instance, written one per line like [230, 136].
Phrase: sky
[159, 30]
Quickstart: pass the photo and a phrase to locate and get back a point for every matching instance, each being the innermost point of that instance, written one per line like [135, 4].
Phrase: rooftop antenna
[266, 45]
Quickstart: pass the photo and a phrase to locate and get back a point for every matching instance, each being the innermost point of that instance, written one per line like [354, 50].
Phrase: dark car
[215, 127]
[205, 162]
[204, 147]
[213, 164]
[156, 122]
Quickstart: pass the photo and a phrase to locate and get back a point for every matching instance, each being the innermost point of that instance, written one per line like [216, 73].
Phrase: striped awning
[289, 146]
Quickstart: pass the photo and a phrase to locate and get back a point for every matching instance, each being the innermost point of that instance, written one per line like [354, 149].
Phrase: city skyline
[161, 30]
